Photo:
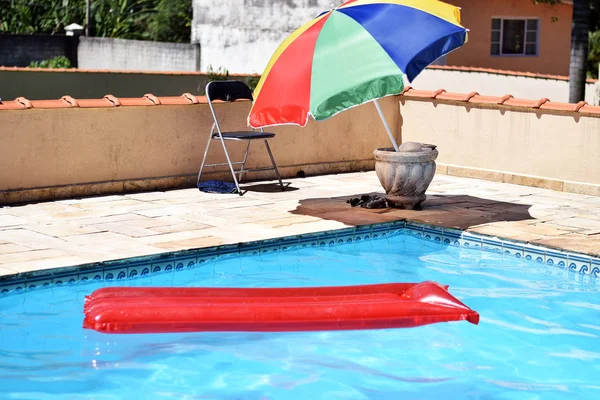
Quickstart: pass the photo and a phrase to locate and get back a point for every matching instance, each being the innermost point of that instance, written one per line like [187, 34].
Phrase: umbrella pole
[387, 127]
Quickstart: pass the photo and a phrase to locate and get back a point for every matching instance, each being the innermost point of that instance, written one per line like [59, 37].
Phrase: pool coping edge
[131, 267]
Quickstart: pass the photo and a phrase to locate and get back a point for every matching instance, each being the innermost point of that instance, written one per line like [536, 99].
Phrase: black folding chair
[232, 91]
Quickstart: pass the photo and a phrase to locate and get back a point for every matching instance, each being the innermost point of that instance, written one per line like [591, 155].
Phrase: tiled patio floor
[72, 232]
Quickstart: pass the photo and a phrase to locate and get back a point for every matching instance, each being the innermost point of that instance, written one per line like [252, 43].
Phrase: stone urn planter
[406, 174]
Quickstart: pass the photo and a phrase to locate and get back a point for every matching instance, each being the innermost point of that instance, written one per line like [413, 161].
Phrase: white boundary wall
[489, 84]
[137, 55]
[241, 35]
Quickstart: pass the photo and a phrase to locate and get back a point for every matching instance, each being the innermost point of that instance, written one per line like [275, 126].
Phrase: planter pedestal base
[406, 202]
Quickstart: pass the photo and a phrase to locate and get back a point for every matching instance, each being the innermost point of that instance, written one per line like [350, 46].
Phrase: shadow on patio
[451, 211]
[270, 187]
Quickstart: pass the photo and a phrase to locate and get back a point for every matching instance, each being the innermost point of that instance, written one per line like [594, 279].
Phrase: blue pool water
[538, 337]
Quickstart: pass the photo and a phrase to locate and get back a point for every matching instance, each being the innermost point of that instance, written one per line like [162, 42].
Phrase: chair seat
[245, 135]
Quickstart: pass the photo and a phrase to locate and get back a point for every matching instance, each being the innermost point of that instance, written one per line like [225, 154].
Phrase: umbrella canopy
[352, 54]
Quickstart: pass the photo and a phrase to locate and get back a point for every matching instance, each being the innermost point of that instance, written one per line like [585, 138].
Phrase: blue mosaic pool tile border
[470, 241]
[433, 234]
[345, 236]
[17, 285]
[207, 255]
[595, 267]
[556, 257]
[378, 232]
[534, 253]
[91, 274]
[250, 249]
[577, 263]
[580, 264]
[574, 264]
[491, 245]
[287, 243]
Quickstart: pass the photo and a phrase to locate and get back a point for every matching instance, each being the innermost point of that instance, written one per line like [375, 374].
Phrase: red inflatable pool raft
[162, 310]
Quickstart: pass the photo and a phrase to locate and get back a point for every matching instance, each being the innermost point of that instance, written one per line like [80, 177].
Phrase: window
[514, 37]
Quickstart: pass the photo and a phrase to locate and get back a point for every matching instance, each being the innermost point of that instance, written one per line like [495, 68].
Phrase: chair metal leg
[241, 172]
[205, 154]
[274, 165]
[237, 185]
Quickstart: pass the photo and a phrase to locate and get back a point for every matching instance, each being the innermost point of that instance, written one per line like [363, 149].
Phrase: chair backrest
[228, 91]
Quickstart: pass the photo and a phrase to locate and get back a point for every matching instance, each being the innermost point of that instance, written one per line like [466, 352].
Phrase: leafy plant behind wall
[594, 55]
[56, 62]
[252, 81]
[222, 74]
[594, 33]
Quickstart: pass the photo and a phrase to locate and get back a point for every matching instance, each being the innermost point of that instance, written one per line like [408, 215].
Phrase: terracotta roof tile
[478, 99]
[406, 89]
[579, 106]
[153, 99]
[505, 98]
[174, 100]
[70, 101]
[95, 103]
[437, 93]
[512, 102]
[109, 100]
[464, 97]
[556, 106]
[138, 101]
[11, 105]
[113, 100]
[427, 94]
[26, 103]
[48, 104]
[190, 97]
[587, 109]
[541, 102]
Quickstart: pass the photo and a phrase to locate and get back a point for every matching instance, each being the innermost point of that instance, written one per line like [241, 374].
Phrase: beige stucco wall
[554, 37]
[57, 153]
[560, 147]
[74, 146]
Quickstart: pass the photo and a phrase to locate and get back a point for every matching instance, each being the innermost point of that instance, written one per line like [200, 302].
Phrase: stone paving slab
[77, 231]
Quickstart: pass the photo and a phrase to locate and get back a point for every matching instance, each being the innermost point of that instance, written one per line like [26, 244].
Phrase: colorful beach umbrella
[354, 53]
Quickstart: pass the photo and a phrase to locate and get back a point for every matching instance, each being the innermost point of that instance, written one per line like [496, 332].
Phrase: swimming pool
[537, 339]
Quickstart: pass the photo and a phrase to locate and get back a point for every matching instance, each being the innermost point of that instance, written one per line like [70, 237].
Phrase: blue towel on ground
[217, 187]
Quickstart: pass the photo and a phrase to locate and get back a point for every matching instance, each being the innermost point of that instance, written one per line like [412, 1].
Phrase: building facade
[517, 35]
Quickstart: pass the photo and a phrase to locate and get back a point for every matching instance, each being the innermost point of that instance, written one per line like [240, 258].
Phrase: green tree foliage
[222, 74]
[593, 58]
[594, 41]
[56, 62]
[164, 20]
[594, 54]
[125, 19]
[172, 21]
[31, 16]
